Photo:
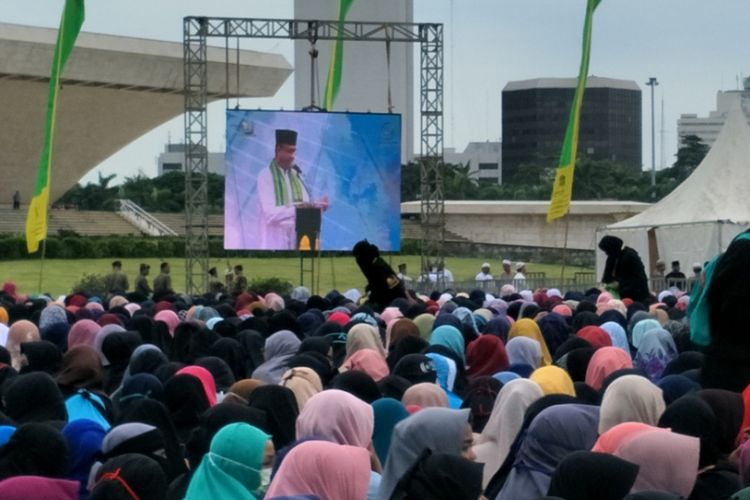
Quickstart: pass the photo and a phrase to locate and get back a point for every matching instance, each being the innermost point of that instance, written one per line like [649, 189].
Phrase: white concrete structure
[364, 86]
[114, 89]
[701, 216]
[523, 223]
[708, 128]
[485, 160]
[173, 159]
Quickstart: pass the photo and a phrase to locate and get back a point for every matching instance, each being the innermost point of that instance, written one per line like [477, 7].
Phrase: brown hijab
[81, 368]
[19, 333]
[403, 328]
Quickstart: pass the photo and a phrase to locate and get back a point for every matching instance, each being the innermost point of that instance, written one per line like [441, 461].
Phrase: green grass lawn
[339, 272]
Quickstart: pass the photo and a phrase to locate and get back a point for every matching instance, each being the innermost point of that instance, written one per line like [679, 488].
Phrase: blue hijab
[388, 412]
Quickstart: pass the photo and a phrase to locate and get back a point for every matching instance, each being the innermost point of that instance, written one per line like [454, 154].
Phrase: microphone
[301, 176]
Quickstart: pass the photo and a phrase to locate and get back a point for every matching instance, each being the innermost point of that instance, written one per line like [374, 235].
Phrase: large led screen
[312, 180]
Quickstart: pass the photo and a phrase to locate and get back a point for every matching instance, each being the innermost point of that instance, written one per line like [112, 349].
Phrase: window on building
[488, 166]
[169, 167]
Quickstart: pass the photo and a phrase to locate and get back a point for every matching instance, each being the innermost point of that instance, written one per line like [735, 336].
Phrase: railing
[143, 220]
[580, 283]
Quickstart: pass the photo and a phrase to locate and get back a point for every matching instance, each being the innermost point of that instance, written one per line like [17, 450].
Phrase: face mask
[265, 481]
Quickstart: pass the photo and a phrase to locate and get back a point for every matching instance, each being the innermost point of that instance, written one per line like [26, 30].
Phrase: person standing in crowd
[239, 283]
[163, 282]
[141, 283]
[215, 287]
[507, 273]
[16, 200]
[676, 278]
[519, 279]
[116, 282]
[402, 274]
[696, 277]
[624, 269]
[484, 273]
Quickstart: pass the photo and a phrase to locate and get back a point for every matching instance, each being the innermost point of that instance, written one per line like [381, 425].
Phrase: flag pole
[41, 264]
[565, 248]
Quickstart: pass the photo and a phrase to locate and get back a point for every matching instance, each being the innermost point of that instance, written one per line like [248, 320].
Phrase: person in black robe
[383, 284]
[624, 267]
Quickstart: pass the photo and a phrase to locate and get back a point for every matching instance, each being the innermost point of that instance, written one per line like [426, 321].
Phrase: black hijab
[220, 371]
[692, 416]
[117, 348]
[357, 383]
[42, 356]
[152, 412]
[729, 410]
[577, 362]
[233, 354]
[583, 319]
[281, 410]
[253, 343]
[34, 449]
[585, 475]
[186, 401]
[404, 347]
[141, 474]
[440, 477]
[192, 341]
[34, 397]
[555, 330]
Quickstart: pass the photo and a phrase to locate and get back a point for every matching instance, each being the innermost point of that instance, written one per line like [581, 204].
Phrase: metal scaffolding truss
[196, 31]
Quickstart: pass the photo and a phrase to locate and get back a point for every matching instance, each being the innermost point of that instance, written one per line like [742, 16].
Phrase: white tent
[701, 216]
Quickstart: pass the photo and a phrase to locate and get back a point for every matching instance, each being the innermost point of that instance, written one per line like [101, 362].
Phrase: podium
[307, 226]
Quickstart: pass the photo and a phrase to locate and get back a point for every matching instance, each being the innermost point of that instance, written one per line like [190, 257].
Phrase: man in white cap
[484, 273]
[507, 274]
[520, 278]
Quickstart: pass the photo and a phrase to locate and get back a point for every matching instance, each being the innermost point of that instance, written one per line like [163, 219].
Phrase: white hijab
[631, 398]
[504, 424]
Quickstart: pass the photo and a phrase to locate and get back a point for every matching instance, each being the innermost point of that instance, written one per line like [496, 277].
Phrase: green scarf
[279, 185]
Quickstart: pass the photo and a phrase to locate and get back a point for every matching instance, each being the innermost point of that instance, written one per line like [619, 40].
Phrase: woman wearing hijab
[631, 398]
[368, 361]
[34, 449]
[668, 461]
[585, 475]
[81, 369]
[441, 477]
[425, 323]
[243, 388]
[552, 435]
[279, 348]
[359, 384]
[281, 410]
[729, 410]
[303, 382]
[20, 332]
[35, 398]
[388, 412]
[555, 330]
[505, 421]
[84, 332]
[450, 338]
[41, 356]
[641, 328]
[186, 399]
[363, 336]
[84, 439]
[625, 268]
[402, 328]
[486, 356]
[553, 380]
[617, 335]
[526, 351]
[23, 487]
[604, 362]
[424, 395]
[326, 470]
[206, 379]
[656, 350]
[128, 477]
[610, 441]
[528, 328]
[438, 429]
[232, 467]
[595, 336]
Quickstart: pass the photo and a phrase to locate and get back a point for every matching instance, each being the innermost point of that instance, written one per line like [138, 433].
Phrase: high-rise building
[535, 115]
[484, 160]
[366, 72]
[708, 128]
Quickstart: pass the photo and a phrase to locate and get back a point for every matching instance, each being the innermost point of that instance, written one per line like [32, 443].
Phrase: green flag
[36, 219]
[562, 189]
[337, 57]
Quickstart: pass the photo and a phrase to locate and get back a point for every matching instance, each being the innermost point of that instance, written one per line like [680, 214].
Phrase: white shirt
[483, 277]
[276, 223]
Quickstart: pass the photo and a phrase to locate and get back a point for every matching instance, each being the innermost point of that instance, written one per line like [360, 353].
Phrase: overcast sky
[694, 48]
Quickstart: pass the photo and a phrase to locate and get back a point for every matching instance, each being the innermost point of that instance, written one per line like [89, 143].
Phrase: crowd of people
[532, 394]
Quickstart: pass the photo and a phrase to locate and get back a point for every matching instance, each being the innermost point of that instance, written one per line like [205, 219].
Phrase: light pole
[653, 83]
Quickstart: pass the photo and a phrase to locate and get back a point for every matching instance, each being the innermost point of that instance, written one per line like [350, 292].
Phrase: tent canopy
[701, 216]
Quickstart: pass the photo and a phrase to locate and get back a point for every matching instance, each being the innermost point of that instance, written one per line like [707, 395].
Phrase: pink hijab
[605, 361]
[668, 461]
[206, 380]
[18, 333]
[83, 332]
[611, 440]
[20, 487]
[369, 361]
[425, 395]
[170, 318]
[327, 470]
[338, 416]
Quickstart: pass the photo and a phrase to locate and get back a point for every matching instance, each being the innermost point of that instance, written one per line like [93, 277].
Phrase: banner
[36, 219]
[562, 189]
[337, 58]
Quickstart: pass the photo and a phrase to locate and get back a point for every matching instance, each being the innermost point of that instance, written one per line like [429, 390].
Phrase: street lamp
[653, 83]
